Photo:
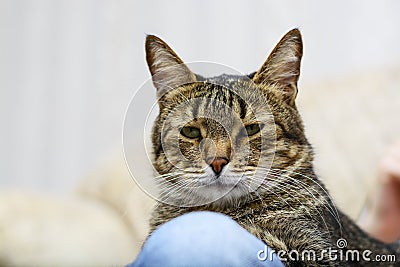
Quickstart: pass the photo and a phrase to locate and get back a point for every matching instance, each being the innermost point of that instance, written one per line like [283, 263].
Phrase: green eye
[190, 132]
[252, 129]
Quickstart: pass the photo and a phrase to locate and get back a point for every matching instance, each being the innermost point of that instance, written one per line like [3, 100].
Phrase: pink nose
[218, 164]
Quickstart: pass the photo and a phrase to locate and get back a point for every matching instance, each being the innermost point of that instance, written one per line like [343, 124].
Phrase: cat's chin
[219, 195]
[222, 194]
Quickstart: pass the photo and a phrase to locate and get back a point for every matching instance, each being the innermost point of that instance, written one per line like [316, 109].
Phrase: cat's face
[217, 139]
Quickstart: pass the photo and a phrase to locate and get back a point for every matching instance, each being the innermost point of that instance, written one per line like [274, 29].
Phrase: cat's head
[226, 138]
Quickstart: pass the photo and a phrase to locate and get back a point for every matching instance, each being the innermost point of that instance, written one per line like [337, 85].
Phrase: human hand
[385, 218]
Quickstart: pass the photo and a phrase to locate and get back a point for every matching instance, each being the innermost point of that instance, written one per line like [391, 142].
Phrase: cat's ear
[283, 65]
[167, 69]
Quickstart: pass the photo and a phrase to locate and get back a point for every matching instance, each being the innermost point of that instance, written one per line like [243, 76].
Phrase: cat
[235, 144]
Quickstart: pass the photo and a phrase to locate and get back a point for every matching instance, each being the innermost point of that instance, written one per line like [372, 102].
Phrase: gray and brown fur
[291, 210]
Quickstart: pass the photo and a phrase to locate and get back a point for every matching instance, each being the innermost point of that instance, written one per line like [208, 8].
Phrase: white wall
[69, 68]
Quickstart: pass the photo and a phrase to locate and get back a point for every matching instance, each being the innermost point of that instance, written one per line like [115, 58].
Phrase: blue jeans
[203, 239]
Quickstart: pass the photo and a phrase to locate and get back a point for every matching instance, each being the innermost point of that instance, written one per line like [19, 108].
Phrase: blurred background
[68, 70]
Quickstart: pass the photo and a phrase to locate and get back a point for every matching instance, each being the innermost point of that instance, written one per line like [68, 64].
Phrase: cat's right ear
[283, 66]
[167, 69]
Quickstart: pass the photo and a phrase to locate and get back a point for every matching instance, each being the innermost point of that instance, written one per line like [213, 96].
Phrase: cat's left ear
[283, 66]
[167, 69]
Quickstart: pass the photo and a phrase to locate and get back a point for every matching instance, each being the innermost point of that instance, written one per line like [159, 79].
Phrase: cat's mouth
[222, 182]
[226, 180]
[226, 187]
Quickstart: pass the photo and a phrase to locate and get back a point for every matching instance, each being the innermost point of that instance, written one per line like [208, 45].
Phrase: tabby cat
[236, 145]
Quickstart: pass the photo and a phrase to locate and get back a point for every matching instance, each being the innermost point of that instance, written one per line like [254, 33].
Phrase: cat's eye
[190, 132]
[252, 129]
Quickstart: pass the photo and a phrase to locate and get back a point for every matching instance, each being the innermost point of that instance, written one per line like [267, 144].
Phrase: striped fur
[269, 186]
